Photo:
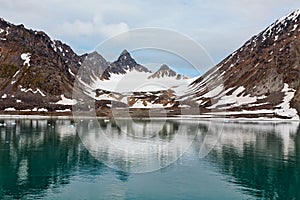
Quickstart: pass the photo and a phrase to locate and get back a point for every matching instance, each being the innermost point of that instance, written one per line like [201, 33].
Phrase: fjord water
[47, 159]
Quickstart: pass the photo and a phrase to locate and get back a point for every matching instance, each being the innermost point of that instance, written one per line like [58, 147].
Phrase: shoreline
[43, 115]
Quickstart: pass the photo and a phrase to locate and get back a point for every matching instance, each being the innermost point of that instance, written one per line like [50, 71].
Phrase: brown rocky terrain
[34, 70]
[263, 74]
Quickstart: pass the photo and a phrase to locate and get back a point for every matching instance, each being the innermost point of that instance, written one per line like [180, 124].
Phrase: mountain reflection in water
[41, 157]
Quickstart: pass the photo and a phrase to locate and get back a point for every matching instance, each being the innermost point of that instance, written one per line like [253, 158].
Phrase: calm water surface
[51, 159]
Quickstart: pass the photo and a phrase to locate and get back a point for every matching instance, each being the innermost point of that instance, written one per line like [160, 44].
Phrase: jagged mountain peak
[164, 67]
[125, 57]
[96, 56]
[124, 52]
[92, 67]
[122, 65]
[166, 71]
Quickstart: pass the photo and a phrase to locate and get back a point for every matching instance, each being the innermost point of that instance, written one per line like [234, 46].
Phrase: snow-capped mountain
[166, 71]
[38, 74]
[126, 75]
[127, 82]
[123, 64]
[260, 79]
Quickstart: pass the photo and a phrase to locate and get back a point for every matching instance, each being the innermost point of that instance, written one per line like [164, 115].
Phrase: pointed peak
[124, 52]
[164, 67]
[94, 53]
[125, 56]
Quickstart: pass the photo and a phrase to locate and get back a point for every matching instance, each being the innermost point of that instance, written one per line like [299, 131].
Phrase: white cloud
[220, 25]
[79, 28]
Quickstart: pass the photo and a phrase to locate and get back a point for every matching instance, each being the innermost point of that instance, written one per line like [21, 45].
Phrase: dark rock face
[124, 63]
[92, 67]
[31, 64]
[165, 71]
[263, 65]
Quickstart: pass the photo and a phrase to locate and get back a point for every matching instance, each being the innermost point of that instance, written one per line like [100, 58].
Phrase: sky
[219, 26]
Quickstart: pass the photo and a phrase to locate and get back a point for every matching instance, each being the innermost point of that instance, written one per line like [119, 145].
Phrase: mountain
[260, 79]
[35, 71]
[37, 74]
[165, 71]
[126, 75]
[122, 65]
[92, 67]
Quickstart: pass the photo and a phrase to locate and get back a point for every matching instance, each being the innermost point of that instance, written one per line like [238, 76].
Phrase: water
[49, 159]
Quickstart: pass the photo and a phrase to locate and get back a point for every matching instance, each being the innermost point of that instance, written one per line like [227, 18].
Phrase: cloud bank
[219, 26]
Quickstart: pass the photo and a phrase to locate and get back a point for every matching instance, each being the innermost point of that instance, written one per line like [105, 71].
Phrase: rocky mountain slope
[260, 79]
[92, 67]
[34, 70]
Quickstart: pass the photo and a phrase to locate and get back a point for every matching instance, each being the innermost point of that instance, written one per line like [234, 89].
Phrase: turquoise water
[49, 159]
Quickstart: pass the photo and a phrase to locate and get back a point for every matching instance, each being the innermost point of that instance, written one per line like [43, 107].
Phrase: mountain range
[258, 80]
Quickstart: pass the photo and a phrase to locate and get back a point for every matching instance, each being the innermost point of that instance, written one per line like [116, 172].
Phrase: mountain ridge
[262, 71]
[166, 71]
[124, 63]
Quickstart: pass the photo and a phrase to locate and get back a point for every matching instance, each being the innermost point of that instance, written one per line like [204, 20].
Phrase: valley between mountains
[260, 80]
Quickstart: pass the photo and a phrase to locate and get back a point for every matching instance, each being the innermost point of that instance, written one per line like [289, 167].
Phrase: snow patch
[140, 104]
[4, 96]
[26, 58]
[134, 80]
[36, 91]
[66, 101]
[53, 46]
[26, 110]
[234, 99]
[42, 110]
[16, 73]
[295, 27]
[9, 109]
[70, 71]
[285, 109]
[66, 110]
[214, 92]
[60, 49]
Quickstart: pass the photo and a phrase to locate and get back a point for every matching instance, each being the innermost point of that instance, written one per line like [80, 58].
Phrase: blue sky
[219, 27]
